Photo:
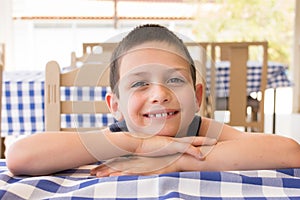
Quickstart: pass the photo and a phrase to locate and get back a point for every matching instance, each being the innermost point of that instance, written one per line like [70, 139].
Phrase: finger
[98, 168]
[189, 149]
[111, 172]
[131, 172]
[125, 173]
[119, 173]
[105, 164]
[138, 171]
[104, 172]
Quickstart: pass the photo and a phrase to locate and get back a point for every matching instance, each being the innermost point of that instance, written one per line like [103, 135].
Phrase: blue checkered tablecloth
[78, 184]
[277, 77]
[23, 97]
[23, 104]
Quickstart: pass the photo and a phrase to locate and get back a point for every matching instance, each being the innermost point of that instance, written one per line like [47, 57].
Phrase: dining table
[277, 77]
[78, 183]
[23, 104]
[23, 96]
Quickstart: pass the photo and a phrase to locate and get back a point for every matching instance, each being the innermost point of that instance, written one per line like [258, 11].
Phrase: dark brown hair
[143, 34]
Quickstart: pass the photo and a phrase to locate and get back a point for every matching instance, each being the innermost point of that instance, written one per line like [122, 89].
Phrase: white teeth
[160, 115]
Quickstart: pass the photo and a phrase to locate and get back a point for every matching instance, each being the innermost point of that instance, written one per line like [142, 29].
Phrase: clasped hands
[156, 155]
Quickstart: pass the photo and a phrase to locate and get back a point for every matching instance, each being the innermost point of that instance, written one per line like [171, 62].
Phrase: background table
[78, 184]
[23, 104]
[277, 77]
[23, 97]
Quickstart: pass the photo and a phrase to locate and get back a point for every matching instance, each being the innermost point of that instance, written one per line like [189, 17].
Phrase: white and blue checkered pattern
[23, 97]
[85, 94]
[78, 184]
[23, 104]
[277, 77]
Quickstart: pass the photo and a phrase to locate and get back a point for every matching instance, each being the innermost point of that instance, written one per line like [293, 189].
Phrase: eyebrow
[137, 74]
[178, 69]
[146, 73]
[168, 70]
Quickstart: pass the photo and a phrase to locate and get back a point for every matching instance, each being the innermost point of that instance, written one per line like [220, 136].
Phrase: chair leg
[2, 150]
[254, 118]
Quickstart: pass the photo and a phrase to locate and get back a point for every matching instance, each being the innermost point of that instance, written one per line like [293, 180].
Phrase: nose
[160, 93]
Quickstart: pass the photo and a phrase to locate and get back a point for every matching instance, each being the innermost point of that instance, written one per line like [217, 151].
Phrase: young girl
[155, 98]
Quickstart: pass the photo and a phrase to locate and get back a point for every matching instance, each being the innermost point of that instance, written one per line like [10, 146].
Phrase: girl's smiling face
[156, 92]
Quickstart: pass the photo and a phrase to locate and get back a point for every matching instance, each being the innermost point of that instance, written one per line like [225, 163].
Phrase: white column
[296, 60]
[6, 29]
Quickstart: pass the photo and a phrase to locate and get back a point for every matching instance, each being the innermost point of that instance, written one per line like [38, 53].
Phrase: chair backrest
[89, 48]
[2, 145]
[93, 53]
[85, 79]
[198, 51]
[238, 57]
[89, 58]
[2, 55]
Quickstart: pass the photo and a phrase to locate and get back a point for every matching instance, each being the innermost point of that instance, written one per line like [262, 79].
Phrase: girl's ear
[113, 104]
[199, 94]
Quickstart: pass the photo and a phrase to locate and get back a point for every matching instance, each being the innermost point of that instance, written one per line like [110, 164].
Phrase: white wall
[296, 60]
[6, 29]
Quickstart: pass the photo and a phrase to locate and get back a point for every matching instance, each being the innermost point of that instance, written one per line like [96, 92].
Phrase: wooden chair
[2, 145]
[87, 76]
[238, 101]
[2, 55]
[198, 51]
[89, 58]
[91, 47]
[93, 53]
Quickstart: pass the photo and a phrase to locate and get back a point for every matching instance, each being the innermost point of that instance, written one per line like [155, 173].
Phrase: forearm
[251, 152]
[46, 153]
[50, 152]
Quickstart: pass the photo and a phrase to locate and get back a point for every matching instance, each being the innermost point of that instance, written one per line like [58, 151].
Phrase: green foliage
[248, 20]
